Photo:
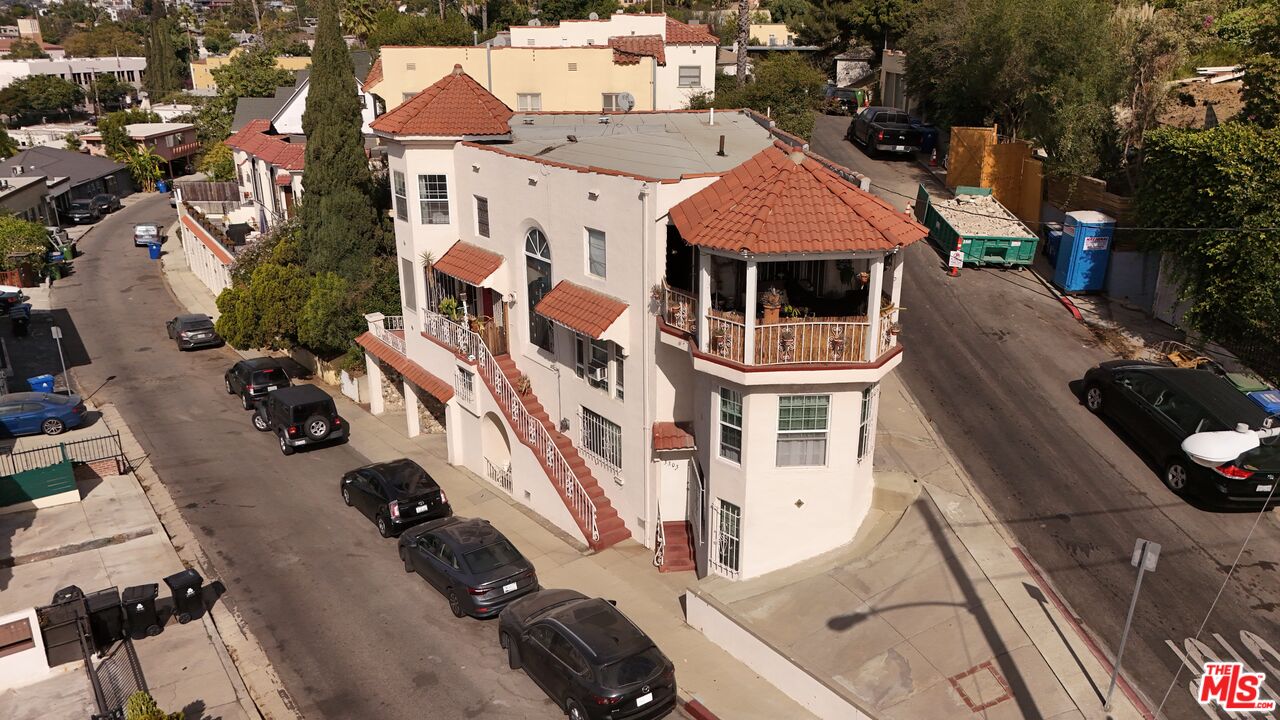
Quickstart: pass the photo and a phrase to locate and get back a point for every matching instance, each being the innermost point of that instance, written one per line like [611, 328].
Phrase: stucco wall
[202, 71]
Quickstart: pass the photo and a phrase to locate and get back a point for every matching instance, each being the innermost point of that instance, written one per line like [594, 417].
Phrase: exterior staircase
[610, 527]
[677, 553]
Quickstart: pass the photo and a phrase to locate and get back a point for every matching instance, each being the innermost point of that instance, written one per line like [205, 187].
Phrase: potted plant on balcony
[719, 340]
[523, 384]
[478, 323]
[449, 308]
[771, 301]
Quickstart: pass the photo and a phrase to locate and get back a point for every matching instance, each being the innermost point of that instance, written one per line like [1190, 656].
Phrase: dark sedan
[1160, 406]
[395, 495]
[192, 331]
[82, 212]
[588, 657]
[470, 563]
[106, 203]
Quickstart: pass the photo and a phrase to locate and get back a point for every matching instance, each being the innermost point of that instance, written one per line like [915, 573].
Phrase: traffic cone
[933, 159]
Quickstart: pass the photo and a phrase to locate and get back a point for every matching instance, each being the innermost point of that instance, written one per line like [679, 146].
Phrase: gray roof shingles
[55, 163]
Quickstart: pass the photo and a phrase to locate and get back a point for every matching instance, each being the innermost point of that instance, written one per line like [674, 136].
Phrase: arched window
[537, 257]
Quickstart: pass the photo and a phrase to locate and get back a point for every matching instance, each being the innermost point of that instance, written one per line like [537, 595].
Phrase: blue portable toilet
[41, 383]
[1083, 251]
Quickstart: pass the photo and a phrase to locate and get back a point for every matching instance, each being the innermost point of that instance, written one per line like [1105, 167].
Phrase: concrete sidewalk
[112, 537]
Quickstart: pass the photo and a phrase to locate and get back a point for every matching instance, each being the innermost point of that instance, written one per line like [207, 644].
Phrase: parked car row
[92, 209]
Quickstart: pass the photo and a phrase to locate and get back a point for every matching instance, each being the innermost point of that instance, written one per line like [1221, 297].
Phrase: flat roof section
[652, 144]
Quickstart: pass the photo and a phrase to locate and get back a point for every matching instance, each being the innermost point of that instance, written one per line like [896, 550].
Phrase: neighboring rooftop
[251, 108]
[55, 163]
[662, 145]
[455, 106]
[258, 139]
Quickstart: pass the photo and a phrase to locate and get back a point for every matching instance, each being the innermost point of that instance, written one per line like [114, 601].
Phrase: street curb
[695, 709]
[262, 694]
[1066, 301]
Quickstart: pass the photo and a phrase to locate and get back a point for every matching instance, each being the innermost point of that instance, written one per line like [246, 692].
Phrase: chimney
[720, 152]
[457, 69]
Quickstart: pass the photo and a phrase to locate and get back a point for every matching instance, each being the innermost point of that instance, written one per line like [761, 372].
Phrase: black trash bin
[106, 618]
[188, 596]
[67, 594]
[140, 614]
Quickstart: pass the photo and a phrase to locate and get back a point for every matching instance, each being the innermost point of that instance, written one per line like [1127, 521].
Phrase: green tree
[263, 312]
[553, 11]
[786, 86]
[835, 24]
[8, 148]
[163, 75]
[115, 137]
[1262, 71]
[141, 706]
[24, 49]
[391, 27]
[110, 91]
[61, 19]
[18, 236]
[107, 40]
[72, 142]
[249, 74]
[340, 224]
[358, 16]
[144, 166]
[329, 319]
[1220, 178]
[38, 96]
[217, 39]
[218, 163]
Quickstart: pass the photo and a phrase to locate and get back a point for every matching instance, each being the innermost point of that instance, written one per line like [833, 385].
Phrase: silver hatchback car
[145, 233]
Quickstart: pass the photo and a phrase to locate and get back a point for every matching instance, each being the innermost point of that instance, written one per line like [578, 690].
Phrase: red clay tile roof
[284, 180]
[374, 76]
[456, 105]
[469, 263]
[412, 371]
[254, 139]
[670, 436]
[579, 309]
[773, 203]
[628, 49]
[679, 33]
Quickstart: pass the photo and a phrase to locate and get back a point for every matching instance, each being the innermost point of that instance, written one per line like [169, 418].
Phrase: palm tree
[144, 166]
[357, 16]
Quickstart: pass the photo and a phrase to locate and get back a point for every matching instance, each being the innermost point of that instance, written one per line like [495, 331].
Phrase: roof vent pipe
[721, 151]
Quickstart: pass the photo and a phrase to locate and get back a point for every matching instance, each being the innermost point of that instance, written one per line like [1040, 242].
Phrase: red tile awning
[581, 310]
[668, 436]
[412, 371]
[469, 263]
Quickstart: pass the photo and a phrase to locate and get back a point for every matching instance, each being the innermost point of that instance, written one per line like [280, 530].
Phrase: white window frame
[729, 395]
[601, 438]
[603, 263]
[401, 193]
[696, 82]
[611, 102]
[866, 439]
[528, 102]
[588, 352]
[409, 282]
[482, 216]
[805, 434]
[433, 195]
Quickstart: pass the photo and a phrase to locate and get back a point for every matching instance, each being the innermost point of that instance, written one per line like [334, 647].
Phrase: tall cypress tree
[162, 76]
[340, 220]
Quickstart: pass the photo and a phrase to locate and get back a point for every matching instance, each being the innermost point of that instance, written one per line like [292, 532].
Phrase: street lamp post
[1212, 449]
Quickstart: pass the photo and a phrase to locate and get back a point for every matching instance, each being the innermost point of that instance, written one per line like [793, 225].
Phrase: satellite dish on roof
[626, 101]
[535, 22]
[593, 16]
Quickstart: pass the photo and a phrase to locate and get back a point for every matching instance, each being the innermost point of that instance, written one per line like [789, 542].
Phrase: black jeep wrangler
[299, 415]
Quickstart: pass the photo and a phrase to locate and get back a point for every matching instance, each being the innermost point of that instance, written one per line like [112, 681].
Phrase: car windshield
[60, 399]
[268, 376]
[146, 230]
[631, 670]
[491, 557]
[302, 412]
[81, 205]
[893, 118]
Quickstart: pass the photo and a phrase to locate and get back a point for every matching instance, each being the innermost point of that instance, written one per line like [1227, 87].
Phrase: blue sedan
[32, 413]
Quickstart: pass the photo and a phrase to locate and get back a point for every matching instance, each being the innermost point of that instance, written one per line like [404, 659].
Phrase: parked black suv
[299, 415]
[253, 379]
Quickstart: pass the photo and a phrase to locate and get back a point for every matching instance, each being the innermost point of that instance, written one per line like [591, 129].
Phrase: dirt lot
[1186, 105]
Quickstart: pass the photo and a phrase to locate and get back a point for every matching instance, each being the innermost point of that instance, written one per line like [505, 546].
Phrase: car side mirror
[612, 602]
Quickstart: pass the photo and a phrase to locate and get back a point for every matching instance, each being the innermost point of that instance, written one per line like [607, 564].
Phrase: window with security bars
[602, 439]
[433, 197]
[869, 396]
[482, 216]
[731, 425]
[802, 430]
[726, 539]
[402, 195]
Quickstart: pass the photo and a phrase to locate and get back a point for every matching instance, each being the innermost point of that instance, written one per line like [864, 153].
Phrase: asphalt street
[350, 633]
[991, 356]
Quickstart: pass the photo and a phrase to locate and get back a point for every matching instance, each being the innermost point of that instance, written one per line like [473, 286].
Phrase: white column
[704, 298]
[749, 335]
[413, 425]
[374, 372]
[873, 307]
[895, 287]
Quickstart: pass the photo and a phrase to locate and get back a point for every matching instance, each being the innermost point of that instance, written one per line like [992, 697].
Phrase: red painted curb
[695, 710]
[1071, 306]
[1127, 689]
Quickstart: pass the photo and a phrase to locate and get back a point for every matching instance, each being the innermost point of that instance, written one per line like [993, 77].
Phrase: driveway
[991, 357]
[349, 632]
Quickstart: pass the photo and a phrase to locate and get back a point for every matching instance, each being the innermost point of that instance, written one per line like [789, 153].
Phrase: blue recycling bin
[1269, 400]
[162, 187]
[153, 250]
[41, 383]
[1084, 251]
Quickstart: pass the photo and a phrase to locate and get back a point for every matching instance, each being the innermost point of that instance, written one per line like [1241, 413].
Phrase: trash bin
[20, 323]
[153, 249]
[41, 383]
[141, 617]
[188, 597]
[106, 618]
[162, 187]
[67, 594]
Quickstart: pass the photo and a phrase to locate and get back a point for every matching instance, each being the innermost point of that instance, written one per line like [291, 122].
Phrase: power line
[1263, 228]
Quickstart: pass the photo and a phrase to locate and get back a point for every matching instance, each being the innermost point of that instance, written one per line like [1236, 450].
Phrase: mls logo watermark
[1233, 687]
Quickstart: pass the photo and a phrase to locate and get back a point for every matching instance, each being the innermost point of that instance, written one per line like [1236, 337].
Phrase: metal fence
[118, 675]
[101, 447]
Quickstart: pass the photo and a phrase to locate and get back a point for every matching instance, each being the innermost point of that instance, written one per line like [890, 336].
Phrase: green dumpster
[978, 225]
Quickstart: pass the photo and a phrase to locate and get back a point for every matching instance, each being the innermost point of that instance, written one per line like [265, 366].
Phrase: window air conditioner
[598, 373]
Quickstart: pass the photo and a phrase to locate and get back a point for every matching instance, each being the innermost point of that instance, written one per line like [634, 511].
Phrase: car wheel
[384, 529]
[575, 711]
[455, 606]
[1176, 476]
[1093, 398]
[184, 618]
[513, 652]
[317, 427]
[346, 496]
[285, 447]
[227, 383]
[244, 402]
[52, 426]
[260, 423]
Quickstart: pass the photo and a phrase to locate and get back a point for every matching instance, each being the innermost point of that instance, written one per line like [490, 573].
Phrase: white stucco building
[78, 70]
[592, 312]
[268, 171]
